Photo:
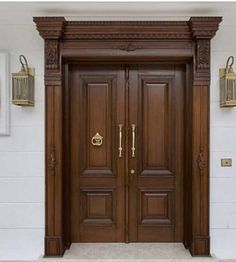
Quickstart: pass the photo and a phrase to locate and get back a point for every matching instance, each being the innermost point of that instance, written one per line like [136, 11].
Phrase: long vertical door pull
[133, 140]
[120, 140]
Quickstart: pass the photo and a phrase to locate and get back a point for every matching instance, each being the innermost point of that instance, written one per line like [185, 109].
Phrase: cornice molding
[58, 27]
[204, 27]
[50, 27]
[128, 36]
[128, 30]
[125, 23]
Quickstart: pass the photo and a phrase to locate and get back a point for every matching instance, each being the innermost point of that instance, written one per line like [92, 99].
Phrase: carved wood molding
[51, 29]
[126, 30]
[58, 27]
[204, 27]
[201, 161]
[129, 47]
[127, 36]
[52, 162]
[203, 54]
[51, 54]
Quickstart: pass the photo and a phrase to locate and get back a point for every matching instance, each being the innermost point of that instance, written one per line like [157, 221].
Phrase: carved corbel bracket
[51, 29]
[203, 29]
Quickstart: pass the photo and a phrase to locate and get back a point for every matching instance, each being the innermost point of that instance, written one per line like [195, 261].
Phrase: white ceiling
[22, 12]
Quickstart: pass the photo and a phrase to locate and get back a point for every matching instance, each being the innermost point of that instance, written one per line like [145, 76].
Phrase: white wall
[223, 145]
[22, 153]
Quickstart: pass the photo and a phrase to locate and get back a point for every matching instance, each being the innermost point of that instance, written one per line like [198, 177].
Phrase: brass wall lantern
[23, 85]
[228, 84]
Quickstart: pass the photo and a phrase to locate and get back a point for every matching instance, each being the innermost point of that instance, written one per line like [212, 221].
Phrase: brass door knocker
[97, 140]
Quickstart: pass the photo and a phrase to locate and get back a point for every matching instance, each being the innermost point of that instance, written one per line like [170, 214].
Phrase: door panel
[97, 206]
[138, 195]
[98, 98]
[97, 174]
[99, 101]
[158, 115]
[156, 105]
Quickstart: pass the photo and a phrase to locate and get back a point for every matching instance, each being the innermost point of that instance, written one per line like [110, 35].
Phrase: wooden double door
[126, 152]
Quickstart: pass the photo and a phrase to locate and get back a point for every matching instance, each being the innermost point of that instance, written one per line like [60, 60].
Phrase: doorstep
[132, 252]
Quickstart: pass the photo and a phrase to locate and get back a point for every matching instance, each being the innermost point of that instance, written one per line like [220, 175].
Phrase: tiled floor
[133, 252]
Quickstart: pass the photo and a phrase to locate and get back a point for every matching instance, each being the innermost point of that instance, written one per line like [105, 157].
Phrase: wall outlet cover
[226, 162]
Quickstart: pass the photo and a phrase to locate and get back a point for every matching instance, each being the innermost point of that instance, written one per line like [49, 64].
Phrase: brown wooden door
[97, 174]
[156, 187]
[137, 196]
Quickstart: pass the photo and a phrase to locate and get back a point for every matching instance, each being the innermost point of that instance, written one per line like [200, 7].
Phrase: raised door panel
[99, 101]
[156, 126]
[98, 206]
[99, 121]
[155, 207]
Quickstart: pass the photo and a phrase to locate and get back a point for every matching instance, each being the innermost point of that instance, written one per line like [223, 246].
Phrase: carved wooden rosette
[186, 40]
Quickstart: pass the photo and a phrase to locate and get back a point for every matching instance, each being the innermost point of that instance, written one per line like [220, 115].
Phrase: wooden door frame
[186, 41]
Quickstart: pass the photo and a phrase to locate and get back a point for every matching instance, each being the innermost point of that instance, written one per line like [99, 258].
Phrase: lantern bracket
[229, 66]
[228, 84]
[24, 66]
[23, 84]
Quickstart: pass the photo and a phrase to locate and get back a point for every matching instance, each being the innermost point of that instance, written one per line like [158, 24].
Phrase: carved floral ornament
[51, 54]
[52, 161]
[203, 51]
[201, 162]
[129, 47]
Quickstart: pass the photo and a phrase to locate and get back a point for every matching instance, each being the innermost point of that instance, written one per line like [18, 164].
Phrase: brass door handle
[133, 140]
[120, 140]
